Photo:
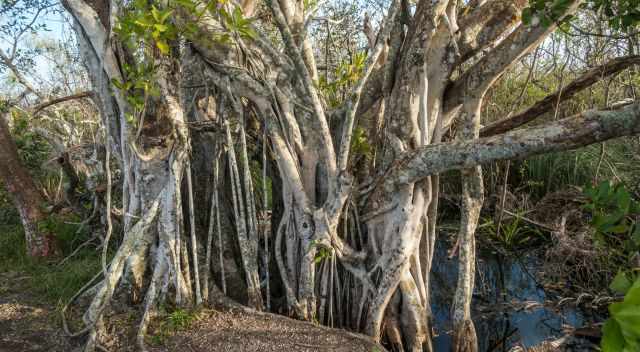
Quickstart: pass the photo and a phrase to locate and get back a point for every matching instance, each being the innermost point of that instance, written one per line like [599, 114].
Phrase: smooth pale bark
[25, 196]
[573, 132]
[464, 334]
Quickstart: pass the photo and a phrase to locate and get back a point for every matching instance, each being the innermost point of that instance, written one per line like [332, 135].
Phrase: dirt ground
[26, 325]
[235, 330]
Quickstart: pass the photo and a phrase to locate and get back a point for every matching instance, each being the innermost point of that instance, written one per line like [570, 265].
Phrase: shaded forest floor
[28, 325]
[25, 323]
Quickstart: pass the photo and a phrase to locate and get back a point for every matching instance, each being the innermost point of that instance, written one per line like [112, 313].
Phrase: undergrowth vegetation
[50, 281]
[174, 320]
[58, 279]
[514, 234]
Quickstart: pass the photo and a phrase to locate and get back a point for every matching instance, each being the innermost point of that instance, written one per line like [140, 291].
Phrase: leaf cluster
[621, 332]
[345, 75]
[149, 30]
[613, 215]
[619, 14]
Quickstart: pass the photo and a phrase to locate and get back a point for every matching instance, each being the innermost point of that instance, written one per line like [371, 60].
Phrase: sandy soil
[235, 330]
[29, 326]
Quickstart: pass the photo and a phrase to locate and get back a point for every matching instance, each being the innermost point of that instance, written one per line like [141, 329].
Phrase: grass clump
[174, 321]
[47, 280]
[513, 234]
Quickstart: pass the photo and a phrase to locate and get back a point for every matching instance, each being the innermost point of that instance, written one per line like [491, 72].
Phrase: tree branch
[307, 82]
[36, 109]
[97, 35]
[353, 101]
[549, 102]
[483, 25]
[574, 132]
[8, 62]
[484, 73]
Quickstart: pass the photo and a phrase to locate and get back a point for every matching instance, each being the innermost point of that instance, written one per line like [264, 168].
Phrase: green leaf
[117, 83]
[156, 13]
[628, 317]
[188, 4]
[604, 188]
[612, 338]
[237, 15]
[161, 27]
[620, 228]
[635, 237]
[633, 294]
[164, 15]
[143, 22]
[623, 199]
[163, 46]
[621, 283]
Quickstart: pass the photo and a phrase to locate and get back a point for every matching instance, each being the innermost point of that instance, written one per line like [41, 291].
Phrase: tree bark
[25, 196]
[383, 252]
[573, 132]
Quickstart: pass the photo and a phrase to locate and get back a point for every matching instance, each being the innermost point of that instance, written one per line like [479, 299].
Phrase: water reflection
[507, 306]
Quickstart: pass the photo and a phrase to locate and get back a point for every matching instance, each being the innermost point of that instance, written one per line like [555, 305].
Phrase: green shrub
[614, 215]
[177, 320]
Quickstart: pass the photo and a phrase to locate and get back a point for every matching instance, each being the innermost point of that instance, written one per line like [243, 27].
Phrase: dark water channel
[505, 309]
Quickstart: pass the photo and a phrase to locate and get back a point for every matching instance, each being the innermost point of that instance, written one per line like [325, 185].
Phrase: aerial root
[160, 275]
[63, 312]
[464, 338]
[93, 316]
[391, 323]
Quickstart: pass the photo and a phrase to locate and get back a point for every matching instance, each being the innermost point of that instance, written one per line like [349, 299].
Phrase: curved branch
[36, 109]
[549, 102]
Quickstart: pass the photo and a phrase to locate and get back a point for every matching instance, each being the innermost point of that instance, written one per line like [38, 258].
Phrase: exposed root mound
[566, 203]
[245, 330]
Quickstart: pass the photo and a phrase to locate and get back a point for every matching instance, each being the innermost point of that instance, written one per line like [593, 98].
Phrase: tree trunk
[25, 195]
[370, 270]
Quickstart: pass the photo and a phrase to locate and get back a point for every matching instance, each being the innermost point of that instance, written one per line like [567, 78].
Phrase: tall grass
[47, 281]
[553, 172]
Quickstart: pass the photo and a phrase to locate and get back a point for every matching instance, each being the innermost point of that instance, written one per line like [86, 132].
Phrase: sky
[39, 74]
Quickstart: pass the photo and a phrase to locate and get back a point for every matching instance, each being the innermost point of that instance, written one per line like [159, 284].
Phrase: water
[503, 287]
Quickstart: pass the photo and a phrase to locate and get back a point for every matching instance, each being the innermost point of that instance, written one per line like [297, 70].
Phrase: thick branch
[578, 131]
[484, 25]
[484, 73]
[97, 35]
[549, 102]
